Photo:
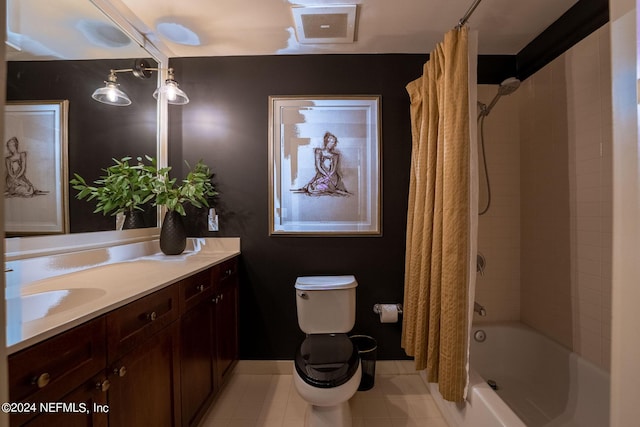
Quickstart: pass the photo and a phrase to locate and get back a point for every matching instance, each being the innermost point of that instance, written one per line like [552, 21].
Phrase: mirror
[64, 50]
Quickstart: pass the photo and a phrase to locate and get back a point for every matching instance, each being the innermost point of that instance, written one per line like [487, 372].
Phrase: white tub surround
[543, 382]
[539, 383]
[51, 294]
[482, 408]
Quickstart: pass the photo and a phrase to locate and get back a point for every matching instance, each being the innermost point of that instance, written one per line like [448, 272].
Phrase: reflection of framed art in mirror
[22, 245]
[35, 156]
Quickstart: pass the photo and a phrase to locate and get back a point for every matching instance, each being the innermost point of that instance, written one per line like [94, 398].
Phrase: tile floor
[261, 394]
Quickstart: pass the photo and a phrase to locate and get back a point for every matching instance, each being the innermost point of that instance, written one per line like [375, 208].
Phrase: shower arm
[468, 14]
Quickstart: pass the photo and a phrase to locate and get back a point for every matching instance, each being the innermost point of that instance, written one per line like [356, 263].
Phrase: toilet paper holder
[377, 310]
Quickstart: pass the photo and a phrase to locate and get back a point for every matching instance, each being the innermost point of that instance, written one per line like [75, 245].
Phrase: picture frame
[35, 155]
[325, 165]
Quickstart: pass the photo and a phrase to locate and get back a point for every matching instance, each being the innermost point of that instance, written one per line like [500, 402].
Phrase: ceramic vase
[173, 235]
[133, 219]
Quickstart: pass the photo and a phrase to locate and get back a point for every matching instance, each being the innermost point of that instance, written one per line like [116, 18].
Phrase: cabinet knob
[103, 385]
[228, 272]
[215, 300]
[121, 371]
[152, 316]
[42, 380]
[200, 288]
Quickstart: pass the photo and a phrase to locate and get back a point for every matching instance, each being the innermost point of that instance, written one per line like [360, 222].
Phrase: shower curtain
[442, 216]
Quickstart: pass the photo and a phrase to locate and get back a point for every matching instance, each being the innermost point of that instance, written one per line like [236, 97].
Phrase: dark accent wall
[226, 124]
[97, 132]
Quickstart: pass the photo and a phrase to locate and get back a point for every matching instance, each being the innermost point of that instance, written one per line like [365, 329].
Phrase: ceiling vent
[325, 24]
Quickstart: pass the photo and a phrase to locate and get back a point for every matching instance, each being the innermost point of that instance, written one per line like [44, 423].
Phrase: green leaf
[122, 187]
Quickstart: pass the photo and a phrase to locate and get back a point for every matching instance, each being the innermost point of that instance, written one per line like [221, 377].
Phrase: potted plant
[195, 189]
[125, 188]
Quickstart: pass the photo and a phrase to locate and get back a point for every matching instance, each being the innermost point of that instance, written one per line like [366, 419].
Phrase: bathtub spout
[479, 309]
[481, 263]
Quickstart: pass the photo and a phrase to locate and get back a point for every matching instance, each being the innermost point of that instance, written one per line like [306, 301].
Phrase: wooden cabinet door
[226, 332]
[92, 395]
[145, 383]
[196, 361]
[47, 371]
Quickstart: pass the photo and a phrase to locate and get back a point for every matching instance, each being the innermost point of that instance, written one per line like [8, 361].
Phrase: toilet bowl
[327, 373]
[327, 369]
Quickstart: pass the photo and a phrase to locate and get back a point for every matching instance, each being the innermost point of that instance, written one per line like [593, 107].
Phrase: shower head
[507, 87]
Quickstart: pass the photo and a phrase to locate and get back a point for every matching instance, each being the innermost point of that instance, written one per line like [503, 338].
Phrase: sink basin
[35, 306]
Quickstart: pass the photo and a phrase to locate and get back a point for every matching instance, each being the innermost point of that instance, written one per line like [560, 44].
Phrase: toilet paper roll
[388, 313]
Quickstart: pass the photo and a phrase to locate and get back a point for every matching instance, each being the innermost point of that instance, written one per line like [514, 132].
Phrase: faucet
[481, 263]
[479, 309]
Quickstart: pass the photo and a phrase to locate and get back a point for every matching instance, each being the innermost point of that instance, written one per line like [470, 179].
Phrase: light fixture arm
[142, 70]
[122, 70]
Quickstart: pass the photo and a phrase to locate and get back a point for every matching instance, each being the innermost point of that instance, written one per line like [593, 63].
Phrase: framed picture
[324, 165]
[36, 176]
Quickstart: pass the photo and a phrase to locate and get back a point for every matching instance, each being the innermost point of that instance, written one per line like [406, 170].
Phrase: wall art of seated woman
[327, 180]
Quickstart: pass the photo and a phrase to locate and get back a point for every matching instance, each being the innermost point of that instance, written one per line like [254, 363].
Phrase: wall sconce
[112, 95]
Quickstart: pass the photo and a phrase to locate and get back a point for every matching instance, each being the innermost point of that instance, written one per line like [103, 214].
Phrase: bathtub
[539, 383]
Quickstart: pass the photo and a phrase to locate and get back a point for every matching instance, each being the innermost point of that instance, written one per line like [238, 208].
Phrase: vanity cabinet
[226, 319]
[144, 387]
[209, 342]
[143, 361]
[158, 360]
[68, 367]
[92, 394]
[130, 326]
[197, 345]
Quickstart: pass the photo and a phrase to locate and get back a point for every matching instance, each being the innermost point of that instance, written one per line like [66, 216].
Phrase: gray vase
[173, 235]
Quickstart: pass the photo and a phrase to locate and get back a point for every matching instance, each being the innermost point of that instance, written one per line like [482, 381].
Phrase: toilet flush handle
[303, 295]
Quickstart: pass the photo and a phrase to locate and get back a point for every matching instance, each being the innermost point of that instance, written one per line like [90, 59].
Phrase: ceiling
[64, 29]
[266, 27]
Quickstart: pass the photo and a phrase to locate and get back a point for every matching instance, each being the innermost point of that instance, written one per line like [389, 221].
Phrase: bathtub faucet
[481, 263]
[479, 309]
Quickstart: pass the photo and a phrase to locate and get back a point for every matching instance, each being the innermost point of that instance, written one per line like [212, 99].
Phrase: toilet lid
[326, 360]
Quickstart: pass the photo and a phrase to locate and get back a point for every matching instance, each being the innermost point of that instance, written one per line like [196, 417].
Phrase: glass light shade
[172, 93]
[110, 94]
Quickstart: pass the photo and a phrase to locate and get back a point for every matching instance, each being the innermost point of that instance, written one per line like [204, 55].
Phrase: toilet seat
[326, 360]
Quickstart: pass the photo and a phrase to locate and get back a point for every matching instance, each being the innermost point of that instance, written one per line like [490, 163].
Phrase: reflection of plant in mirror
[125, 188]
[195, 189]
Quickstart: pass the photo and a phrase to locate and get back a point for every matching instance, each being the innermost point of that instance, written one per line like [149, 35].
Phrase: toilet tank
[326, 304]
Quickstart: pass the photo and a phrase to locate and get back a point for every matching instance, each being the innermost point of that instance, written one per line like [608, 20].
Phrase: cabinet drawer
[195, 289]
[226, 271]
[48, 370]
[130, 325]
[90, 394]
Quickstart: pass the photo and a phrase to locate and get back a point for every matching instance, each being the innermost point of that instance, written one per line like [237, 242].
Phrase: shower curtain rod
[468, 14]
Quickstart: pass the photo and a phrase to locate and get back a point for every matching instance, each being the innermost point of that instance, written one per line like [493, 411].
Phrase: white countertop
[47, 306]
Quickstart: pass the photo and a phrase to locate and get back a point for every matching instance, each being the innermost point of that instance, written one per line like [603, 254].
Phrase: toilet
[327, 369]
